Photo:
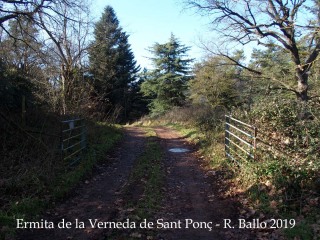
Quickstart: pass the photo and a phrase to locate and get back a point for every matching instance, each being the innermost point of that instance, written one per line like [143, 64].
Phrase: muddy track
[193, 195]
[95, 198]
[190, 192]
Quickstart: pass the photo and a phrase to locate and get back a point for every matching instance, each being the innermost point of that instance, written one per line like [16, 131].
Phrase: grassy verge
[143, 193]
[149, 172]
[101, 138]
[267, 188]
[211, 144]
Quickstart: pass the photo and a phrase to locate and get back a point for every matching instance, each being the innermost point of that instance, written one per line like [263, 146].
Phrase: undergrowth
[34, 178]
[283, 181]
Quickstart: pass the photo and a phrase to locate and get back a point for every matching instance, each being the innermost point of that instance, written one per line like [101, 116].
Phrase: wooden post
[83, 134]
[23, 110]
[61, 142]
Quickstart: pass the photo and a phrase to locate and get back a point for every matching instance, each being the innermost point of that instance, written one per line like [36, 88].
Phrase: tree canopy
[166, 84]
[217, 83]
[112, 64]
[290, 24]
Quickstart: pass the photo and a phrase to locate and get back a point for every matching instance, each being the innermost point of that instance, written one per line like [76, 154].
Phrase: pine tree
[112, 64]
[167, 83]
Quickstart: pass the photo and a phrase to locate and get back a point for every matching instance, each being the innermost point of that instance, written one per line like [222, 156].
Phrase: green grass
[150, 167]
[192, 134]
[148, 171]
[273, 186]
[101, 138]
[144, 188]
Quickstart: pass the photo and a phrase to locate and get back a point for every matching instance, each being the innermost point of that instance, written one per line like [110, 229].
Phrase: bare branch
[260, 21]
[237, 63]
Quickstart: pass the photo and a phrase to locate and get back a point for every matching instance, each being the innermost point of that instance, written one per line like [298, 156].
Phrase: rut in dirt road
[192, 197]
[189, 195]
[95, 198]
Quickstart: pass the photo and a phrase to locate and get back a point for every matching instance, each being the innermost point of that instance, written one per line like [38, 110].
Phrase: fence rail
[240, 139]
[73, 140]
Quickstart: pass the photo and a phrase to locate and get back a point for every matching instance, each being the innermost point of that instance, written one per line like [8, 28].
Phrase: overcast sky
[151, 21]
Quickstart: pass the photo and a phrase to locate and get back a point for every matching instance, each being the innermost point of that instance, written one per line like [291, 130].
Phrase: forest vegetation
[275, 89]
[56, 64]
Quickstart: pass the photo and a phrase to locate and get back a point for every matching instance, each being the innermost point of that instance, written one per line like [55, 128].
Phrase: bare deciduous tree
[10, 9]
[64, 28]
[67, 29]
[288, 23]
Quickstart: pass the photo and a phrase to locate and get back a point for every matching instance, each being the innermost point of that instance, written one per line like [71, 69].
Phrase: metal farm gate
[73, 140]
[240, 140]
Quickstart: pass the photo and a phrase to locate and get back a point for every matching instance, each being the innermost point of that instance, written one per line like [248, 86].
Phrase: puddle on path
[178, 150]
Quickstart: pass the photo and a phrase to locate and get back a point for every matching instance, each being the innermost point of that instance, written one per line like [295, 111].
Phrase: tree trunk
[302, 94]
[302, 88]
[63, 80]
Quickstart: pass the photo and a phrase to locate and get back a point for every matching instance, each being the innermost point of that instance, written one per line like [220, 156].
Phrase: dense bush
[284, 178]
[31, 178]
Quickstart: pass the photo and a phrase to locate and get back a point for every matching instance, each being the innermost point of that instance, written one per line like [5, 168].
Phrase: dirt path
[191, 194]
[95, 198]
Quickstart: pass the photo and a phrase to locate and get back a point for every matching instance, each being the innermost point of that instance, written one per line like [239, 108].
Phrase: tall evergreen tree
[112, 64]
[167, 83]
[137, 103]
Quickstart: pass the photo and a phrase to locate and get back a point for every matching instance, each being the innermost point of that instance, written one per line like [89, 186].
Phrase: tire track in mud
[192, 194]
[95, 198]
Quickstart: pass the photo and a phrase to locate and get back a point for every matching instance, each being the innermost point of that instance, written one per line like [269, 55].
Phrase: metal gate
[240, 140]
[73, 140]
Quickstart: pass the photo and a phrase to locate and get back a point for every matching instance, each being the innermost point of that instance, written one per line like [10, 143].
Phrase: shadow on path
[95, 198]
[193, 195]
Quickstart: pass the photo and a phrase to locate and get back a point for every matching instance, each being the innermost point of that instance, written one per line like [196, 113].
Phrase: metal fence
[73, 140]
[240, 140]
